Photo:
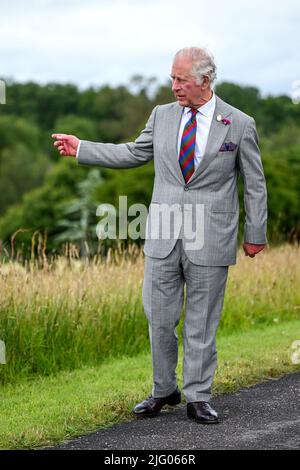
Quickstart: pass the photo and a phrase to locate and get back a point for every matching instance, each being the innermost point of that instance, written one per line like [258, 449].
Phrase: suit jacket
[232, 149]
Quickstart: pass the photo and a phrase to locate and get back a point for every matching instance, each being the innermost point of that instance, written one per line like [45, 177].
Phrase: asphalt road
[265, 416]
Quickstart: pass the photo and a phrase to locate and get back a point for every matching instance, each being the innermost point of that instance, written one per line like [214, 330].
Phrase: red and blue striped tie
[187, 147]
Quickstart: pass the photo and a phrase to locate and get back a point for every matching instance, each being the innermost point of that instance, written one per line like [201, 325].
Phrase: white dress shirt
[204, 119]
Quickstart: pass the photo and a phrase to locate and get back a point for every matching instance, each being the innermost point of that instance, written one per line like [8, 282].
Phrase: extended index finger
[59, 136]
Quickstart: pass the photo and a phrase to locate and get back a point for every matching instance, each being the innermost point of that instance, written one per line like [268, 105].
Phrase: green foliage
[271, 113]
[163, 95]
[278, 112]
[282, 169]
[41, 104]
[83, 127]
[22, 164]
[246, 98]
[135, 183]
[82, 211]
[41, 207]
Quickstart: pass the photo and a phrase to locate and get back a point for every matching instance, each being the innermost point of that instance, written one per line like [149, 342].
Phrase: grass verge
[48, 410]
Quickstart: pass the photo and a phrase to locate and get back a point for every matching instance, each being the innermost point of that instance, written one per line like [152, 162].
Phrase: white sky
[98, 42]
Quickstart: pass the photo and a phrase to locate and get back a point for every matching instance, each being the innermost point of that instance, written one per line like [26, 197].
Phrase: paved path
[265, 416]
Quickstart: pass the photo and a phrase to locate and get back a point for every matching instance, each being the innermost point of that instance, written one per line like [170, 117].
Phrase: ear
[205, 83]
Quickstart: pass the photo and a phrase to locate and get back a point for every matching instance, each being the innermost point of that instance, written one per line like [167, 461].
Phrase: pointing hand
[66, 144]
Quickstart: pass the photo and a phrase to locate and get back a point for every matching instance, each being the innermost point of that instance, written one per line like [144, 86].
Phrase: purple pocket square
[228, 147]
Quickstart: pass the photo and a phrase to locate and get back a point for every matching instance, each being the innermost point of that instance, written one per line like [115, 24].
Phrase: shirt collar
[207, 109]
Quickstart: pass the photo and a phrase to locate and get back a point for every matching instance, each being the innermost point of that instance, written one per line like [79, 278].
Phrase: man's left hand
[252, 250]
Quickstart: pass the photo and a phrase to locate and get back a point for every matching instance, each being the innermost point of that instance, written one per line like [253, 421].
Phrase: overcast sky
[90, 42]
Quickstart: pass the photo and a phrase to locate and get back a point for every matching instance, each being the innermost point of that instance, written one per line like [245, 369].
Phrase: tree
[79, 214]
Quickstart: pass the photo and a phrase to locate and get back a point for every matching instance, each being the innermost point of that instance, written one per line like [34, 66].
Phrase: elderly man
[200, 145]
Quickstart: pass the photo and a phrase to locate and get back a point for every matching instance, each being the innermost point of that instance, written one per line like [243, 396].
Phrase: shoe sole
[153, 415]
[199, 421]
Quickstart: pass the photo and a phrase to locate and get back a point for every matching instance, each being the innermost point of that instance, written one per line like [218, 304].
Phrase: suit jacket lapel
[172, 132]
[216, 137]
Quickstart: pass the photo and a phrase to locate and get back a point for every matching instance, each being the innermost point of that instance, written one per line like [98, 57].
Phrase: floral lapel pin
[226, 122]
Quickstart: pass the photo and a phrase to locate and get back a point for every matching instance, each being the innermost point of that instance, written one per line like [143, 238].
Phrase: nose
[175, 85]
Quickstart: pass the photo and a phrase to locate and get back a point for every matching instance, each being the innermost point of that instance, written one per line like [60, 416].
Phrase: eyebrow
[178, 77]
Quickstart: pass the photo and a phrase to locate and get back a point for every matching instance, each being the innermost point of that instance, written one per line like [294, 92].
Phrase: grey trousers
[163, 298]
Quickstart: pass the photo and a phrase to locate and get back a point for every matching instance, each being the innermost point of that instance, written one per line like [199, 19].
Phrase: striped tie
[187, 147]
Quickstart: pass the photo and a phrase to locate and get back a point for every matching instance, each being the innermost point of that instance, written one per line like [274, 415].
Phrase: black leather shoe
[202, 412]
[152, 406]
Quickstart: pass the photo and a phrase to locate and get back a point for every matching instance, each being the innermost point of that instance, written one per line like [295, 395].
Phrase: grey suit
[172, 263]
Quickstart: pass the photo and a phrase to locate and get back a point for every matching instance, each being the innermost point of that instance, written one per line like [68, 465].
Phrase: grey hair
[203, 63]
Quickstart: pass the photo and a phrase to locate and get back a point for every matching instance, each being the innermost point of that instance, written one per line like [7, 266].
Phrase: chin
[182, 102]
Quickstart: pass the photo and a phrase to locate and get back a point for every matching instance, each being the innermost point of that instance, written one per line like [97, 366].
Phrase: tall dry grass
[69, 313]
[264, 289]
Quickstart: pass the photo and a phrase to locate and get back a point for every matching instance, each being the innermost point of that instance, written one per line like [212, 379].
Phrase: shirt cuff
[78, 148]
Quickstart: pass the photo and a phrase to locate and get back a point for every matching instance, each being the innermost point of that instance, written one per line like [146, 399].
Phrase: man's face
[186, 90]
